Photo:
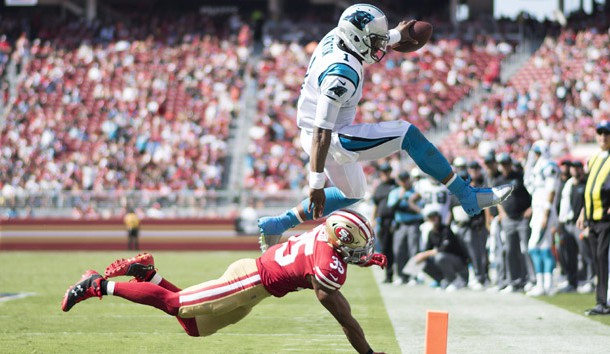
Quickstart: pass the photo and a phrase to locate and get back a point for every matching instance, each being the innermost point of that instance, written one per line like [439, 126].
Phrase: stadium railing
[108, 204]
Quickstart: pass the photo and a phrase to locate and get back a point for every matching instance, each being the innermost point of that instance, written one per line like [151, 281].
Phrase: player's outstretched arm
[339, 307]
[319, 151]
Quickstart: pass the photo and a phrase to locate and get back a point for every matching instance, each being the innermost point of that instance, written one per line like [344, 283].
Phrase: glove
[377, 259]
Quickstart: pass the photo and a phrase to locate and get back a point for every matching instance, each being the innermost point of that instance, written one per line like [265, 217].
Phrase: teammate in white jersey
[542, 182]
[330, 94]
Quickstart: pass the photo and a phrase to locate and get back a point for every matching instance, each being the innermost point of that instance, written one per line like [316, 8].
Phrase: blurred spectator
[446, 260]
[403, 200]
[384, 217]
[132, 223]
[571, 246]
[514, 217]
[245, 223]
[472, 231]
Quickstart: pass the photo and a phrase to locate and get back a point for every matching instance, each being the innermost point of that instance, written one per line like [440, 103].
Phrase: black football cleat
[88, 286]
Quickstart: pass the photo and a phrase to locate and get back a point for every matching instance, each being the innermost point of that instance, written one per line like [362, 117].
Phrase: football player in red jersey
[315, 260]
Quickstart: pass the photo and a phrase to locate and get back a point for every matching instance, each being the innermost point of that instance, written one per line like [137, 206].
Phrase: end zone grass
[296, 323]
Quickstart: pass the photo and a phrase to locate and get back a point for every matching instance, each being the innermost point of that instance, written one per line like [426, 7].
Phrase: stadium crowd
[145, 105]
[558, 96]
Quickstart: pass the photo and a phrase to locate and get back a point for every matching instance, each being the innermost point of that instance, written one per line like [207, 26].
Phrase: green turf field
[576, 303]
[296, 323]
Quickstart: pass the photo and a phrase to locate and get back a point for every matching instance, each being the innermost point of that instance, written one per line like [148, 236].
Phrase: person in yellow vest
[132, 223]
[596, 215]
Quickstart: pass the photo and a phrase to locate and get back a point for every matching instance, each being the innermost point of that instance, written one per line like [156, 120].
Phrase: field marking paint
[437, 323]
[4, 297]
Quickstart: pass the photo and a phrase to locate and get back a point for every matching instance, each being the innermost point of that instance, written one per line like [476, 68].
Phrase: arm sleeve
[551, 174]
[329, 270]
[327, 112]
[329, 279]
[338, 85]
[565, 207]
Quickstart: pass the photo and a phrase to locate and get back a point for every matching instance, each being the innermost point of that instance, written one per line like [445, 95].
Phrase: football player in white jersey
[434, 196]
[542, 182]
[327, 105]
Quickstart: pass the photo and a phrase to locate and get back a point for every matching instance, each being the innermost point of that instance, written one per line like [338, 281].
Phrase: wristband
[370, 351]
[395, 36]
[317, 180]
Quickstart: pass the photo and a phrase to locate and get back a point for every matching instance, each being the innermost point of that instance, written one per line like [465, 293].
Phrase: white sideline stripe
[16, 296]
[217, 291]
[114, 233]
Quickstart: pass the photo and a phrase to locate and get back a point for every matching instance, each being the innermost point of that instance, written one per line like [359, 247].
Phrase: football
[421, 31]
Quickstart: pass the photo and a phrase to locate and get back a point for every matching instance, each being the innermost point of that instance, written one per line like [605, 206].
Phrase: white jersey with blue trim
[543, 181]
[334, 78]
[435, 196]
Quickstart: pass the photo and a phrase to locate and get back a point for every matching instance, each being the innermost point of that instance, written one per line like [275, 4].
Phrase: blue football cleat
[271, 229]
[474, 200]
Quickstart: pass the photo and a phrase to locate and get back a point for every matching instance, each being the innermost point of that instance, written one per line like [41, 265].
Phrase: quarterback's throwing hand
[377, 259]
[317, 199]
[404, 28]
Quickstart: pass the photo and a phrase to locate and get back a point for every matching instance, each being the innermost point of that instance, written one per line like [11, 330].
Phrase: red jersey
[284, 267]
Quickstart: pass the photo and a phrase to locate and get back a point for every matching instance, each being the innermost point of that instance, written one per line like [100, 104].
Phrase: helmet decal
[344, 235]
[357, 220]
[350, 233]
[359, 19]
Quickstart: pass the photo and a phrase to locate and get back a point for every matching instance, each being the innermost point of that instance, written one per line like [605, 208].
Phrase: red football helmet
[351, 234]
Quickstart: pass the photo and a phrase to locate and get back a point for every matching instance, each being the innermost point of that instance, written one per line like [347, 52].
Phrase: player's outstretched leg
[431, 161]
[142, 268]
[162, 296]
[272, 227]
[88, 286]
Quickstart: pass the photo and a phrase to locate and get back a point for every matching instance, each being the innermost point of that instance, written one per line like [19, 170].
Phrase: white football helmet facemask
[364, 29]
[351, 235]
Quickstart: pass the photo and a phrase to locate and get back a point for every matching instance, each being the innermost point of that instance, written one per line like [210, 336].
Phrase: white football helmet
[541, 147]
[351, 235]
[364, 29]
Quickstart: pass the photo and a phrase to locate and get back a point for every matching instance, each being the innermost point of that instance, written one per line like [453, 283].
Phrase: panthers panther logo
[338, 90]
[359, 19]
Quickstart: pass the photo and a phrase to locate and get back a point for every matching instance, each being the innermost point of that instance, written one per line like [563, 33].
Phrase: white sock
[448, 183]
[109, 287]
[540, 280]
[548, 281]
[156, 279]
